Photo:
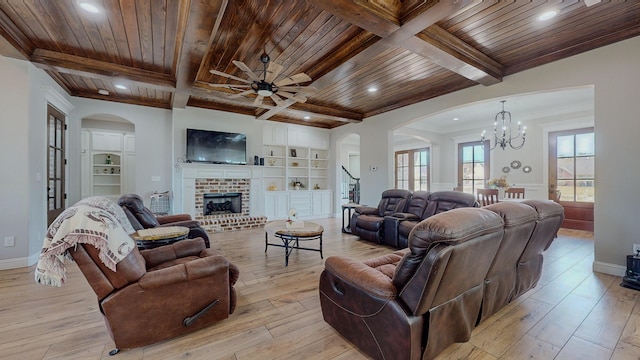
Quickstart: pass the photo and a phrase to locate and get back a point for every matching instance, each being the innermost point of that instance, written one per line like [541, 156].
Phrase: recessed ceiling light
[307, 117]
[547, 15]
[121, 87]
[456, 119]
[87, 6]
[372, 89]
[103, 92]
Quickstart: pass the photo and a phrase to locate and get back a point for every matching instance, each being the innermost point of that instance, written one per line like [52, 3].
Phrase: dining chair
[514, 193]
[487, 196]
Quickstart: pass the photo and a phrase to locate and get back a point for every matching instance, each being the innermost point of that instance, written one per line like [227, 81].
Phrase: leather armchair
[367, 222]
[160, 293]
[422, 205]
[142, 218]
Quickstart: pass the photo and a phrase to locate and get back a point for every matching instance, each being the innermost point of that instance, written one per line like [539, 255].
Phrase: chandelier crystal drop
[502, 134]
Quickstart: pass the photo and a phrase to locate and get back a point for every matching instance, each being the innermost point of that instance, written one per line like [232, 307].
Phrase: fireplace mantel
[187, 173]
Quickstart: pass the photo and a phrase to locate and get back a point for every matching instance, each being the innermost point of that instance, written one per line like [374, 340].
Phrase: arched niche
[107, 156]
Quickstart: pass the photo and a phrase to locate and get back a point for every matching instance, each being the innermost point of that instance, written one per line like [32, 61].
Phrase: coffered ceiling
[159, 53]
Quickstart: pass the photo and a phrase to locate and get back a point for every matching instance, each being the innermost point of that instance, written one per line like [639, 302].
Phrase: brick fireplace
[232, 192]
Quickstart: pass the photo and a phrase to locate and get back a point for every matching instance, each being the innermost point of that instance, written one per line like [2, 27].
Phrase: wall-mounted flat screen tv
[216, 147]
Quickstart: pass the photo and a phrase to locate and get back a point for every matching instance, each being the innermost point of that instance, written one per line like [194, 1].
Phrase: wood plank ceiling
[161, 51]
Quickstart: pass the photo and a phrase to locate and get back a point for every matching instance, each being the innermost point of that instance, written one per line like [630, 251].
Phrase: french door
[55, 163]
[572, 176]
[473, 166]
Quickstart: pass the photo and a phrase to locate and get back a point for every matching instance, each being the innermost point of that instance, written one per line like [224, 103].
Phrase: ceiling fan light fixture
[264, 88]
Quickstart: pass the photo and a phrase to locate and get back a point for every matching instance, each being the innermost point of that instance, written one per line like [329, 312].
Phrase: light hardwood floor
[573, 313]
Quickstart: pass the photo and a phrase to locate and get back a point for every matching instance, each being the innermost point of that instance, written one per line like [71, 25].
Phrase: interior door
[55, 163]
[572, 175]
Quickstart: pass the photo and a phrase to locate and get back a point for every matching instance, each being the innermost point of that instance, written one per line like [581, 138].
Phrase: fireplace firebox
[222, 203]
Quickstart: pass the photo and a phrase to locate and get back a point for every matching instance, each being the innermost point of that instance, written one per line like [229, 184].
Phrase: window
[412, 169]
[575, 160]
[473, 160]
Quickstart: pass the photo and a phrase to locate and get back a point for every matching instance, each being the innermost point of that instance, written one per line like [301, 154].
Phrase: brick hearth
[225, 222]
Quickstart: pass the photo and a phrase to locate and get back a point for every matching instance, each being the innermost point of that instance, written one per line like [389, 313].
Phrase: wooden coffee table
[292, 236]
[159, 236]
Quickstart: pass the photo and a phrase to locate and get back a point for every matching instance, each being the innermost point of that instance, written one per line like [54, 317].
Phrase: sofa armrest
[161, 254]
[366, 210]
[405, 216]
[196, 269]
[167, 219]
[363, 277]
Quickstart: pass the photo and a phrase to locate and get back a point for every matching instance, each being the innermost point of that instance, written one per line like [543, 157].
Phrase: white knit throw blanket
[97, 221]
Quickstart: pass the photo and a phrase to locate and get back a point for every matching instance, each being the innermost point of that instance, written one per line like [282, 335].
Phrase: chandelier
[503, 136]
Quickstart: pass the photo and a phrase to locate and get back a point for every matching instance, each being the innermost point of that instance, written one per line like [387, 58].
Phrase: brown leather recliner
[368, 222]
[142, 218]
[422, 205]
[160, 293]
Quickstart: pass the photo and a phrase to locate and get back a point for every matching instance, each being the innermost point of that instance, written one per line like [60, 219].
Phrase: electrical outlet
[9, 241]
[636, 249]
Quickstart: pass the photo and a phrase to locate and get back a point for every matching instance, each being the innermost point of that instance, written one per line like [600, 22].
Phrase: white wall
[14, 152]
[614, 72]
[154, 141]
[24, 94]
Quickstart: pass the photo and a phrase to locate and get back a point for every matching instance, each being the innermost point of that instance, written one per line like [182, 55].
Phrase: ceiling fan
[271, 85]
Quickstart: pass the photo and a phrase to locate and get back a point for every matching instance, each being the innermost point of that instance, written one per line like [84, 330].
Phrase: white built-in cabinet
[107, 163]
[296, 171]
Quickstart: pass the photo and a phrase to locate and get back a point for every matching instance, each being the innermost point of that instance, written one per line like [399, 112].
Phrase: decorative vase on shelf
[501, 194]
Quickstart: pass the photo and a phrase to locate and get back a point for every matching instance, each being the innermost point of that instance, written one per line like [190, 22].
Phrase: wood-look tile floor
[573, 313]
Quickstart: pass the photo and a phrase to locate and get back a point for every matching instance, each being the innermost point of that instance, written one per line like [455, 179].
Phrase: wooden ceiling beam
[120, 99]
[97, 69]
[196, 30]
[434, 44]
[22, 46]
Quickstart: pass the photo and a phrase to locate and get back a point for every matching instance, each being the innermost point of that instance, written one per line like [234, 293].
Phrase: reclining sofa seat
[453, 275]
[500, 282]
[160, 293]
[422, 205]
[142, 218]
[367, 222]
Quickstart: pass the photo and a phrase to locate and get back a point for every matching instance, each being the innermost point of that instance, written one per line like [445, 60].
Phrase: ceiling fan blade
[258, 100]
[241, 94]
[276, 109]
[296, 97]
[242, 66]
[273, 71]
[307, 90]
[230, 86]
[294, 79]
[277, 99]
[220, 73]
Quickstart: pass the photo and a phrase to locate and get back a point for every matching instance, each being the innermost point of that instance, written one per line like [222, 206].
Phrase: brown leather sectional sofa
[400, 210]
[423, 204]
[461, 267]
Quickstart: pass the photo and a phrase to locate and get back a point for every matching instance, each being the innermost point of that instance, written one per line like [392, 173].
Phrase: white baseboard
[610, 269]
[19, 262]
